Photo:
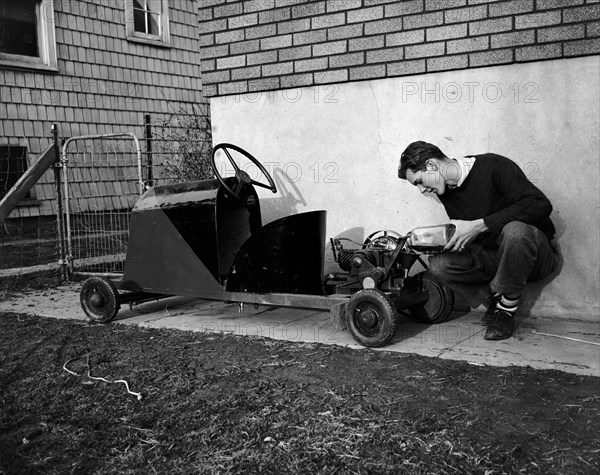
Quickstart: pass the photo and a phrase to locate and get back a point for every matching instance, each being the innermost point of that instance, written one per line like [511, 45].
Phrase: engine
[370, 266]
[372, 252]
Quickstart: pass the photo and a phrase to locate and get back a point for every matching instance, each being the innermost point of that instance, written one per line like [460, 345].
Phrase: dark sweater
[498, 191]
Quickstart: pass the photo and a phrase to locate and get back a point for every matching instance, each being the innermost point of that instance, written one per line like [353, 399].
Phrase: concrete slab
[544, 343]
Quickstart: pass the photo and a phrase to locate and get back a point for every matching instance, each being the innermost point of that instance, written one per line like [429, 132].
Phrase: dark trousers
[524, 254]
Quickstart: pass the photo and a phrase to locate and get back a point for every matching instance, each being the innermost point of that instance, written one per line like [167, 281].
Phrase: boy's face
[429, 180]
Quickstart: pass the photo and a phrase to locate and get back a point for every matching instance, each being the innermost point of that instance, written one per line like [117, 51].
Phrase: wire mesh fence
[103, 180]
[179, 146]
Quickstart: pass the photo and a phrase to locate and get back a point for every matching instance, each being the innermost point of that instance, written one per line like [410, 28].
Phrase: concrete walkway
[544, 343]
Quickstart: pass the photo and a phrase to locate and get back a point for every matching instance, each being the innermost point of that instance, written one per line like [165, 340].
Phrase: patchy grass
[14, 286]
[215, 403]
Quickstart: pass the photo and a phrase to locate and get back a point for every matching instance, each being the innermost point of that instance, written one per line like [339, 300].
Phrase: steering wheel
[241, 176]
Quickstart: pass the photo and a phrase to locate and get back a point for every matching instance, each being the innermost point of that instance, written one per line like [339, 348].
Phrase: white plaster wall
[337, 148]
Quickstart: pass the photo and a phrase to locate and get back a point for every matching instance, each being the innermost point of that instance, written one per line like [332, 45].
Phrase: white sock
[508, 305]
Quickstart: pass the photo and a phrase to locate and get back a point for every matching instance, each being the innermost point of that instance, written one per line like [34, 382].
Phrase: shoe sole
[497, 338]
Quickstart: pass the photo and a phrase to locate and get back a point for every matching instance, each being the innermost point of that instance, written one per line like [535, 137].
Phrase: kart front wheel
[99, 299]
[371, 318]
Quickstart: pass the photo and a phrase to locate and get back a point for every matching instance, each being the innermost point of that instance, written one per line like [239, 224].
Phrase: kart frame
[205, 240]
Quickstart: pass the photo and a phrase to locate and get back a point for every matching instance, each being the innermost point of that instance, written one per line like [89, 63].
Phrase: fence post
[148, 133]
[59, 208]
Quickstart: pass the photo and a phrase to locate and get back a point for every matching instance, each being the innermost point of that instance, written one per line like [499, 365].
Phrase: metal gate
[103, 179]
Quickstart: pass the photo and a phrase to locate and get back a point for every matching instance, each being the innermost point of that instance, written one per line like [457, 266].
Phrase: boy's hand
[465, 232]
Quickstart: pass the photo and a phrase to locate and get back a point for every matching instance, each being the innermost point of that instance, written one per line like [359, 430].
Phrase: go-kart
[205, 239]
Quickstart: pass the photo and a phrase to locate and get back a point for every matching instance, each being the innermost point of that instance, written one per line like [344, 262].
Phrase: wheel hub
[96, 300]
[367, 318]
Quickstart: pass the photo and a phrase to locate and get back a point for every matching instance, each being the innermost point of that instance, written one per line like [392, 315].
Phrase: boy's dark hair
[415, 156]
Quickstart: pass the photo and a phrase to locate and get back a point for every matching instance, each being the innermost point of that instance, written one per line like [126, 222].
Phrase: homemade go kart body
[205, 239]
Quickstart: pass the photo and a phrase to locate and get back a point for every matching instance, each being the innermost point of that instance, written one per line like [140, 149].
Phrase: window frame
[162, 39]
[46, 61]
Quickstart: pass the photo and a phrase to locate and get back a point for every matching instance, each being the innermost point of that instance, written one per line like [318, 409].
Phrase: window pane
[154, 6]
[18, 29]
[139, 20]
[153, 23]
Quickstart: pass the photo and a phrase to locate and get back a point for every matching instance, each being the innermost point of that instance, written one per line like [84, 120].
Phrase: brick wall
[255, 45]
[105, 83]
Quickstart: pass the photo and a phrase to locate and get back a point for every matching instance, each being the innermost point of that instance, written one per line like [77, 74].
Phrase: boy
[503, 228]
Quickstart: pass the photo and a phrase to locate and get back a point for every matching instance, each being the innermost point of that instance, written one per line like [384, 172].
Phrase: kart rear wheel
[99, 299]
[439, 305]
[371, 318]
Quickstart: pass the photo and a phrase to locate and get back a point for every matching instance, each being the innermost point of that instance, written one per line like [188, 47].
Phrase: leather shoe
[489, 315]
[501, 327]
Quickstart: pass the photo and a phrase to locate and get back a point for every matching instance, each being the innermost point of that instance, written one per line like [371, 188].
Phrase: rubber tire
[440, 304]
[106, 290]
[386, 318]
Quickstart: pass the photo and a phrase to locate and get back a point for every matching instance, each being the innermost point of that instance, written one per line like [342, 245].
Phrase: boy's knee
[438, 264]
[517, 231]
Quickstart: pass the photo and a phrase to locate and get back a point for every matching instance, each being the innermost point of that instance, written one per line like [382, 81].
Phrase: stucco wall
[337, 148]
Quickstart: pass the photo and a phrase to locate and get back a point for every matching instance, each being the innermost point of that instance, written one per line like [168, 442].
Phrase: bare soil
[215, 403]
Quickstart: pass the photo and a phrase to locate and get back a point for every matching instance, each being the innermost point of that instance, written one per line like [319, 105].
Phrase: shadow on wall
[288, 199]
[533, 290]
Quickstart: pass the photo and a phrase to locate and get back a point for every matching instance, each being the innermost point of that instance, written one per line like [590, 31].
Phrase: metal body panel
[184, 237]
[159, 260]
[284, 256]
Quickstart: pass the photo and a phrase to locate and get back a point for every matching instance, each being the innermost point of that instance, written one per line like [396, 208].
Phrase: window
[13, 163]
[27, 34]
[145, 18]
[148, 21]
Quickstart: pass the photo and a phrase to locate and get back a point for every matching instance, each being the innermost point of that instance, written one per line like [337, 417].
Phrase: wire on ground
[138, 395]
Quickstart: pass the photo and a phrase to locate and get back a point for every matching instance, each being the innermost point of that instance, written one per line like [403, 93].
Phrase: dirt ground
[214, 403]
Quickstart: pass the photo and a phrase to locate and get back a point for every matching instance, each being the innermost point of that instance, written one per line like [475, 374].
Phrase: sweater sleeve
[518, 198]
